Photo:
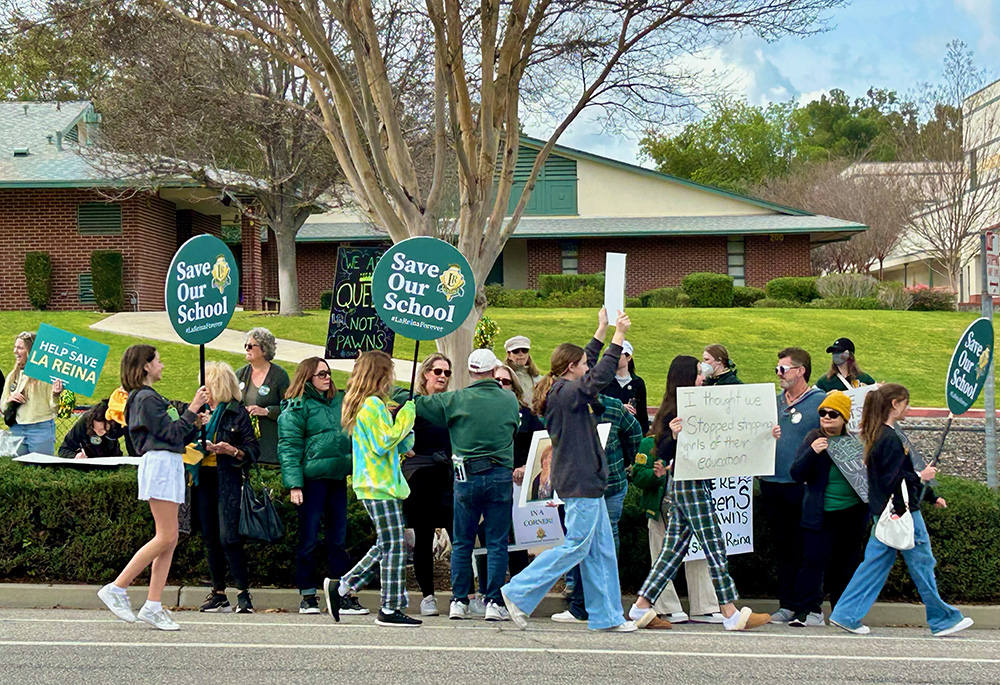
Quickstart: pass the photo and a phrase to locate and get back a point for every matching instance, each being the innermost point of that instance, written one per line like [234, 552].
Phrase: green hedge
[38, 273]
[586, 297]
[665, 298]
[326, 300]
[845, 303]
[745, 296]
[771, 303]
[498, 296]
[567, 283]
[106, 269]
[798, 288]
[708, 289]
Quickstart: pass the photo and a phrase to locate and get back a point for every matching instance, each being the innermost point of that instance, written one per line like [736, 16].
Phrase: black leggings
[206, 497]
[428, 508]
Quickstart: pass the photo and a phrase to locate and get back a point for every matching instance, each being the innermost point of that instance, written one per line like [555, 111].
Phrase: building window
[99, 218]
[570, 256]
[736, 259]
[85, 288]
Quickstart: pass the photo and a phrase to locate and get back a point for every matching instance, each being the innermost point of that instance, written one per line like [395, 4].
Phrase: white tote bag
[896, 533]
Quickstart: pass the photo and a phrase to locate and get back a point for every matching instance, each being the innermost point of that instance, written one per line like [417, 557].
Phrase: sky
[892, 44]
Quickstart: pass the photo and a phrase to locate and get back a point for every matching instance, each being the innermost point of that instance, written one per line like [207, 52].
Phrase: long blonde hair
[372, 377]
[878, 404]
[28, 338]
[564, 355]
[221, 381]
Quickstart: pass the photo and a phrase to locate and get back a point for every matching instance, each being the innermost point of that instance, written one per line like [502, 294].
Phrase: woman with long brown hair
[380, 440]
[315, 457]
[716, 367]
[890, 469]
[33, 403]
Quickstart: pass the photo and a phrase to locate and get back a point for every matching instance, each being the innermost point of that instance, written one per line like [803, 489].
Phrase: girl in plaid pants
[379, 439]
[691, 513]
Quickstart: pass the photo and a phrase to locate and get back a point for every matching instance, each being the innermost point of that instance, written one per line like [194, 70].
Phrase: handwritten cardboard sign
[732, 501]
[848, 455]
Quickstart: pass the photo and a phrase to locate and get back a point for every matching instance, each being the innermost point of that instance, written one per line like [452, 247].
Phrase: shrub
[486, 333]
[567, 283]
[845, 303]
[38, 273]
[500, 297]
[708, 289]
[106, 271]
[846, 285]
[797, 288]
[771, 303]
[495, 295]
[665, 298]
[892, 295]
[633, 303]
[745, 296]
[583, 298]
[326, 300]
[927, 299]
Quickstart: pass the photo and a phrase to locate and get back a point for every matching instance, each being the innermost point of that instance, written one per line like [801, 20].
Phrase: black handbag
[10, 414]
[259, 519]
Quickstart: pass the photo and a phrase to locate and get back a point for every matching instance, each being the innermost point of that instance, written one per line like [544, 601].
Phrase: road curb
[41, 596]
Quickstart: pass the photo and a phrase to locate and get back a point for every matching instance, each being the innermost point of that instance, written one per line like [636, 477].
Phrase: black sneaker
[243, 603]
[350, 606]
[799, 619]
[216, 604]
[309, 604]
[396, 618]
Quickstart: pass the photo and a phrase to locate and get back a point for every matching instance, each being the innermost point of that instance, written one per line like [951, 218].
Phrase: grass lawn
[912, 348]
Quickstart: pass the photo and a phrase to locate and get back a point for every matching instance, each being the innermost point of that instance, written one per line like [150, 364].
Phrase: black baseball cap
[841, 345]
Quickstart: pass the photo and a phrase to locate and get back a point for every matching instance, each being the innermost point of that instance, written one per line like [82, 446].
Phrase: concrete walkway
[156, 326]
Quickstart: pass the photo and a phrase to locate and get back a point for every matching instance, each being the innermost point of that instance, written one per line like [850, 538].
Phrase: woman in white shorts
[159, 435]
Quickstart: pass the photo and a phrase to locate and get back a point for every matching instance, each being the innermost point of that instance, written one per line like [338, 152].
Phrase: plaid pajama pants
[388, 552]
[691, 514]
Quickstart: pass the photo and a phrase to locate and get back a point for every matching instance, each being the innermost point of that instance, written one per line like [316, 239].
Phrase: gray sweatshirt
[151, 426]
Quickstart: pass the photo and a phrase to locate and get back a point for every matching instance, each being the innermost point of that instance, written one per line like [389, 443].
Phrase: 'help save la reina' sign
[75, 360]
[423, 288]
[970, 363]
[202, 288]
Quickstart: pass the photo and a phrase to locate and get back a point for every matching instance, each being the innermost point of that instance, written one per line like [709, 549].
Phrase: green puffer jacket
[651, 486]
[311, 443]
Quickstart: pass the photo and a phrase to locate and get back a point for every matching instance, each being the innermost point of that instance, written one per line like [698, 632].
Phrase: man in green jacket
[481, 420]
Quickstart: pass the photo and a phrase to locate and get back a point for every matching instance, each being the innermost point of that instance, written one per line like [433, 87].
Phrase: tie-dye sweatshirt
[378, 442]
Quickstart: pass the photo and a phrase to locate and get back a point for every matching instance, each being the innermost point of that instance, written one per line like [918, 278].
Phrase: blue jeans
[38, 437]
[576, 600]
[871, 575]
[589, 544]
[324, 501]
[488, 495]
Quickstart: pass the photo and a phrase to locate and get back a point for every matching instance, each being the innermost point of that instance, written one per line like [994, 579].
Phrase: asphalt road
[82, 647]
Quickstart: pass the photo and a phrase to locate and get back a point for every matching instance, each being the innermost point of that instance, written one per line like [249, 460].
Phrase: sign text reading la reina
[66, 361]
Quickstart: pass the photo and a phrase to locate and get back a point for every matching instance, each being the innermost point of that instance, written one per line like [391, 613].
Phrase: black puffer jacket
[236, 429]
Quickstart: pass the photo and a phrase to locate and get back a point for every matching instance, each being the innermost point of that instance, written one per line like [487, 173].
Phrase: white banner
[49, 460]
[732, 501]
[727, 431]
[614, 284]
[535, 525]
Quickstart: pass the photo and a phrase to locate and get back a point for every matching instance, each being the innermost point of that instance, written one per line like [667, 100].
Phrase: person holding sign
[159, 435]
[890, 469]
[29, 405]
[844, 373]
[92, 436]
[379, 441]
[834, 511]
[691, 514]
[567, 398]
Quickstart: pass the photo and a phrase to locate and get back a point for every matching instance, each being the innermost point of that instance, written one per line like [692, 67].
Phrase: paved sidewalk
[156, 326]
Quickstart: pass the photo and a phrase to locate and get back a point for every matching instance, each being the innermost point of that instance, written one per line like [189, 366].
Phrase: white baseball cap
[483, 361]
[627, 347]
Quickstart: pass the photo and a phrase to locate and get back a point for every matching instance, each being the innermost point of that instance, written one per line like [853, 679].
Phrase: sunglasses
[442, 372]
[322, 374]
[829, 414]
[520, 350]
[782, 369]
[250, 346]
[505, 382]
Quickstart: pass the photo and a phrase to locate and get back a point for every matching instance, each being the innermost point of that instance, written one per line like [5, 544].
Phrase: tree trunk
[458, 346]
[284, 232]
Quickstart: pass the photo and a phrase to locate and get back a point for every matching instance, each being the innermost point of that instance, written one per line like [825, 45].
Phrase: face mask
[841, 357]
[706, 369]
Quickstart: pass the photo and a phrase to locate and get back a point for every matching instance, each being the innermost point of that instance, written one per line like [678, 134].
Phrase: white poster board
[614, 284]
[732, 501]
[49, 460]
[727, 431]
[857, 396]
[535, 525]
[536, 488]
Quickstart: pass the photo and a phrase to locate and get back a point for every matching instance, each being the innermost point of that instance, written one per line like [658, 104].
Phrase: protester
[890, 469]
[781, 496]
[629, 388]
[263, 385]
[844, 373]
[519, 359]
[566, 397]
[315, 456]
[650, 475]
[231, 448]
[429, 474]
[834, 516]
[691, 514]
[716, 366]
[379, 440]
[482, 420]
[159, 435]
[34, 403]
[93, 435]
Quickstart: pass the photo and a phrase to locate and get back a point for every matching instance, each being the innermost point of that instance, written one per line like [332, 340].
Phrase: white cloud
[982, 12]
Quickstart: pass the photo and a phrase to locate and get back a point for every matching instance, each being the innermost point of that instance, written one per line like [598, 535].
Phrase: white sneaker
[458, 611]
[566, 617]
[495, 612]
[519, 618]
[961, 625]
[117, 602]
[477, 607]
[158, 619]
[429, 606]
[716, 617]
[627, 627]
[860, 630]
[677, 617]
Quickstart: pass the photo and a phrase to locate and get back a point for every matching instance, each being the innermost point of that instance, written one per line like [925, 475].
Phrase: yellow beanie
[839, 402]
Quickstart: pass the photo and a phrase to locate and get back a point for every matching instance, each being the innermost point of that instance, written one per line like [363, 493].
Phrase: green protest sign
[423, 288]
[969, 363]
[202, 287]
[75, 360]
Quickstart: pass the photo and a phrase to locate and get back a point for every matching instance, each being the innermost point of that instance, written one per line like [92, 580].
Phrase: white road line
[518, 650]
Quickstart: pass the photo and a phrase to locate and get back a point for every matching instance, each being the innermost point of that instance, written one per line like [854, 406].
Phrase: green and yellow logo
[221, 276]
[452, 282]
